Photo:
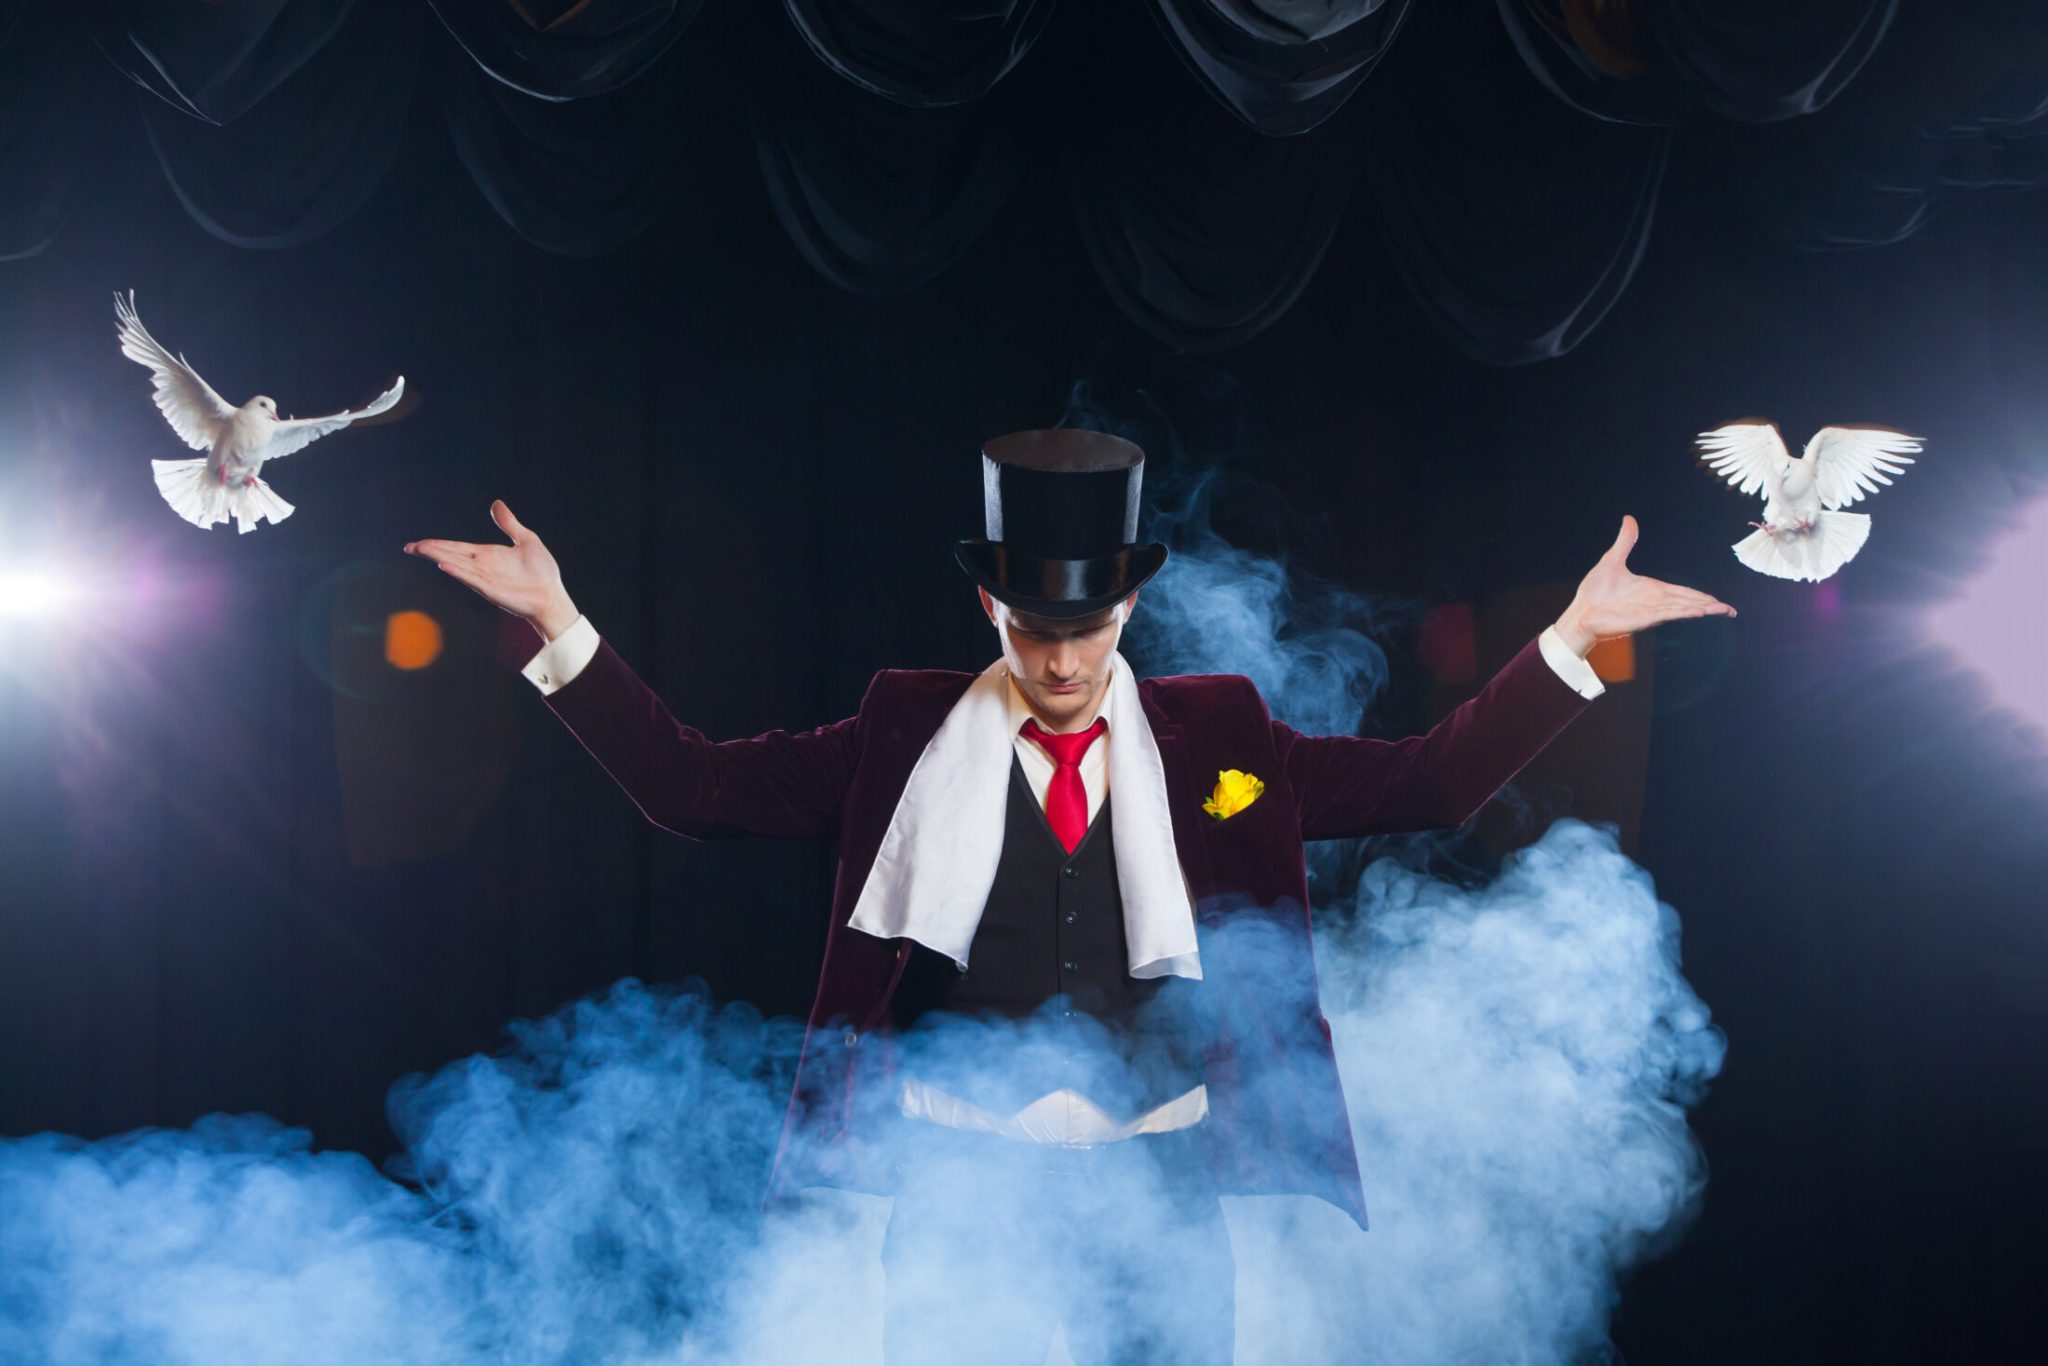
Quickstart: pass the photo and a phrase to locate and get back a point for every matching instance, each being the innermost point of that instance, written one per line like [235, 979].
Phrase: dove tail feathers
[1811, 555]
[201, 499]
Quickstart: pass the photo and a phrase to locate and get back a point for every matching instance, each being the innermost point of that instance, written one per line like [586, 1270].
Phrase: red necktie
[1066, 801]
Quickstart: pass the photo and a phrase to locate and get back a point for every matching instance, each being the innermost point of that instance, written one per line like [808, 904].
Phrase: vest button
[1072, 916]
[1071, 871]
[1071, 966]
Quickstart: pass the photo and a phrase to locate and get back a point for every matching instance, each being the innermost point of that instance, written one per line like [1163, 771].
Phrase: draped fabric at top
[1953, 105]
[312, 151]
[879, 198]
[921, 52]
[1283, 66]
[212, 62]
[1201, 229]
[578, 177]
[566, 49]
[1517, 247]
[42, 129]
[1757, 60]
[1512, 154]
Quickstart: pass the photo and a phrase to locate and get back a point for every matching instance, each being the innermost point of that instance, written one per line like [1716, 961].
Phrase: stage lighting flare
[33, 593]
[1999, 624]
[1614, 659]
[412, 640]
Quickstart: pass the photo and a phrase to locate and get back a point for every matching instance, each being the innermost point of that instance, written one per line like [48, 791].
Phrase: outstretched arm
[781, 783]
[1347, 786]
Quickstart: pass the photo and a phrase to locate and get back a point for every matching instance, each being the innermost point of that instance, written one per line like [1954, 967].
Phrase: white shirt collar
[937, 861]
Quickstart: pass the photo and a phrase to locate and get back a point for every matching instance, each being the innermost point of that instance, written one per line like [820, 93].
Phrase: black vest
[1050, 954]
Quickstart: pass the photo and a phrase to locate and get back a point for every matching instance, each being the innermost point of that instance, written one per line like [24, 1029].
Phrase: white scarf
[932, 875]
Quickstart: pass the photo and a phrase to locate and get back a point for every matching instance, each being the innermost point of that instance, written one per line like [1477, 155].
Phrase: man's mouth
[1063, 688]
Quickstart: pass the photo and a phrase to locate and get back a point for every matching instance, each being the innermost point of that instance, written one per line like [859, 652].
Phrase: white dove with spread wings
[225, 481]
[1804, 533]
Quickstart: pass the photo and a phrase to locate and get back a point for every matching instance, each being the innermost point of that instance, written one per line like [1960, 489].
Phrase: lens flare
[1998, 626]
[33, 593]
[412, 640]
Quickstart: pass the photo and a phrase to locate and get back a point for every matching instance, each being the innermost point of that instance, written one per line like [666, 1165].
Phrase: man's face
[1061, 665]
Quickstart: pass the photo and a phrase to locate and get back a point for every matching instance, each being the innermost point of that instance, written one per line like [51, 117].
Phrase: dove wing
[188, 403]
[1849, 462]
[1743, 453]
[301, 432]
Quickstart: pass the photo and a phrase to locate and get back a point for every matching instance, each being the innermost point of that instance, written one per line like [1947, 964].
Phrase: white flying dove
[1804, 534]
[224, 482]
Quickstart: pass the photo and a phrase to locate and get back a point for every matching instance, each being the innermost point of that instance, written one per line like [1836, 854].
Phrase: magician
[1055, 841]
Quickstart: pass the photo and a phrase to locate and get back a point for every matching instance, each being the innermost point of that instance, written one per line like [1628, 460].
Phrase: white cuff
[1566, 665]
[562, 658]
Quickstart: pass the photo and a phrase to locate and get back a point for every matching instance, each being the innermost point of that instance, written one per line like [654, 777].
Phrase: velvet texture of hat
[1061, 508]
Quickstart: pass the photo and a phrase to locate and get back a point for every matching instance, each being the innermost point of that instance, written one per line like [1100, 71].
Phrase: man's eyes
[1048, 639]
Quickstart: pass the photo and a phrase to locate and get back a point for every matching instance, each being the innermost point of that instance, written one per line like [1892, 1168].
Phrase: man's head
[1061, 664]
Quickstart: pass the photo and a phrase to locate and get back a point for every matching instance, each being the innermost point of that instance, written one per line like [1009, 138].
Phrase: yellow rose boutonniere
[1234, 792]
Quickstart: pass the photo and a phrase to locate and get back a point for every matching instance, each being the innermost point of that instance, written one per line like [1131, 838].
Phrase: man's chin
[1063, 706]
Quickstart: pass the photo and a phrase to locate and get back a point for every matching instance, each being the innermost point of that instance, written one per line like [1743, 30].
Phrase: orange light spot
[412, 640]
[1614, 659]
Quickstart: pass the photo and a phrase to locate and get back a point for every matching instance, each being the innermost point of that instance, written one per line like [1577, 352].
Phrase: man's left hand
[1611, 601]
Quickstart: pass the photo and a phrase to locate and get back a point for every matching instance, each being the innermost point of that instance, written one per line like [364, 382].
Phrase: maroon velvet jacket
[1274, 1098]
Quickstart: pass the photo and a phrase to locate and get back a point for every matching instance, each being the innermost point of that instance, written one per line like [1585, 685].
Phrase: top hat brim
[1058, 588]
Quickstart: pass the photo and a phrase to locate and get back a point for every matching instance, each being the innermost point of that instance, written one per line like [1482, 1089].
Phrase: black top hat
[1062, 514]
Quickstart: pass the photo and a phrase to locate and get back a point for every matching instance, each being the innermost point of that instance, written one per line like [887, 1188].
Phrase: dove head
[264, 404]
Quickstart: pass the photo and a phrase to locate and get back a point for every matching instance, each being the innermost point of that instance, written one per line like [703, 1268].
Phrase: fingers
[501, 513]
[1625, 539]
[442, 550]
[1690, 602]
[1696, 603]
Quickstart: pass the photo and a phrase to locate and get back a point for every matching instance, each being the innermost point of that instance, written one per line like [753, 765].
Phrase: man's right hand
[522, 577]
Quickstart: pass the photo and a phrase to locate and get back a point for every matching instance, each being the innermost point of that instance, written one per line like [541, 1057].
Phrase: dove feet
[1803, 525]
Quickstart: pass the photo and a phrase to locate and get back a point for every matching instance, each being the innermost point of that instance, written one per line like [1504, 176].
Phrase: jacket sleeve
[1346, 786]
[779, 784]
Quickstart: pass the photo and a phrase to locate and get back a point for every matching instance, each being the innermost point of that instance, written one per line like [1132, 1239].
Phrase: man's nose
[1065, 660]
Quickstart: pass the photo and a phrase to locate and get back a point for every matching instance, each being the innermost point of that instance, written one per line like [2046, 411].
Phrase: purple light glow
[1999, 624]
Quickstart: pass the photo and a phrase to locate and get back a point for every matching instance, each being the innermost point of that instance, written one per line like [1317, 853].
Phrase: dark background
[250, 867]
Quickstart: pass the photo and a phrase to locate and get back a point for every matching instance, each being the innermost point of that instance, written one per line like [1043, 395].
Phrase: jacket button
[1071, 871]
[852, 1038]
[1072, 916]
[1071, 966]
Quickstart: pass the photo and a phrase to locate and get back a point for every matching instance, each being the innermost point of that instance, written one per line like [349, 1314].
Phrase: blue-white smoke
[1516, 1060]
[1516, 1056]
